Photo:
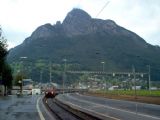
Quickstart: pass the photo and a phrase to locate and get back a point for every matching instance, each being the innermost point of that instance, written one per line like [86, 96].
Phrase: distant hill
[87, 41]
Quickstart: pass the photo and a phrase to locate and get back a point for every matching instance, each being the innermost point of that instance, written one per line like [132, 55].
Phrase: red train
[51, 93]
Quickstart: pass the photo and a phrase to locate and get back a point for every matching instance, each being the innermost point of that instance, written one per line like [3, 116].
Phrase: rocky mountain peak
[77, 22]
[76, 15]
[42, 31]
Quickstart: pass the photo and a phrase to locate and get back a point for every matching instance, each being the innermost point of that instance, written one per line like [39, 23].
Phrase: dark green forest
[5, 69]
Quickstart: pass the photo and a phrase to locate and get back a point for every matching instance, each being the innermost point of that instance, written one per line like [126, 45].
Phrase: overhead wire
[2, 34]
[102, 8]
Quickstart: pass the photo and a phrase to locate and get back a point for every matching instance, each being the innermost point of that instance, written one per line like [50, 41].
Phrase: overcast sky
[19, 18]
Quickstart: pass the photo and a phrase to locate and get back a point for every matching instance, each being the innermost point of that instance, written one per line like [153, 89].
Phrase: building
[137, 87]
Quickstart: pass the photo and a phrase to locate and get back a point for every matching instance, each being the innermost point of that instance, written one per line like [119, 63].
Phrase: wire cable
[102, 9]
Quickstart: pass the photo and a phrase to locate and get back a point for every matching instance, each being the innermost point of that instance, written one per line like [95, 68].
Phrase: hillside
[85, 42]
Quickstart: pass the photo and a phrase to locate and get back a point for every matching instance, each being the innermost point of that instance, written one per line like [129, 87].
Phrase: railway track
[58, 111]
[62, 112]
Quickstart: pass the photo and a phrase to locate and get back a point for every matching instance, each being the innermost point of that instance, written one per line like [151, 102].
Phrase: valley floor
[143, 99]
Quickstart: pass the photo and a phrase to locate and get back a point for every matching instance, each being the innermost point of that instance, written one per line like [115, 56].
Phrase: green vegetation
[154, 93]
[86, 53]
[40, 70]
[5, 70]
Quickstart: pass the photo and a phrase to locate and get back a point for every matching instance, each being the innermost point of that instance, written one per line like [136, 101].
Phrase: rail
[63, 111]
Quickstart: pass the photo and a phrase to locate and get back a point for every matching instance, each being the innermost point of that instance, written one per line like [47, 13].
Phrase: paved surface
[23, 108]
[18, 108]
[117, 109]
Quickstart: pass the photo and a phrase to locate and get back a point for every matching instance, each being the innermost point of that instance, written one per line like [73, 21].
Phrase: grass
[153, 93]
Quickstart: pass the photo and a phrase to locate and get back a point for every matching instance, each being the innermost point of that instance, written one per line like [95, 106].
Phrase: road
[116, 109]
[23, 108]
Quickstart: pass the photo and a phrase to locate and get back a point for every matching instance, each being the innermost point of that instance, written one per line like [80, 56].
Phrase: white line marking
[115, 108]
[68, 103]
[39, 111]
[46, 111]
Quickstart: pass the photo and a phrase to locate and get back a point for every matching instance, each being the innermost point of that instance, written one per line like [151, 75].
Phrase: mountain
[86, 41]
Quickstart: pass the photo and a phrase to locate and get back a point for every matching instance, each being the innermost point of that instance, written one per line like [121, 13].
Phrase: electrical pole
[50, 72]
[134, 77]
[22, 72]
[41, 72]
[149, 76]
[103, 76]
[64, 73]
[103, 66]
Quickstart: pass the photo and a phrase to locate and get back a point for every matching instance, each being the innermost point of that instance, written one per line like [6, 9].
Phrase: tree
[7, 77]
[18, 80]
[5, 69]
[3, 53]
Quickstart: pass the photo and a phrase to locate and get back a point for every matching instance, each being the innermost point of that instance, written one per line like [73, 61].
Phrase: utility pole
[22, 72]
[134, 78]
[103, 66]
[149, 76]
[64, 73]
[103, 76]
[41, 72]
[50, 72]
